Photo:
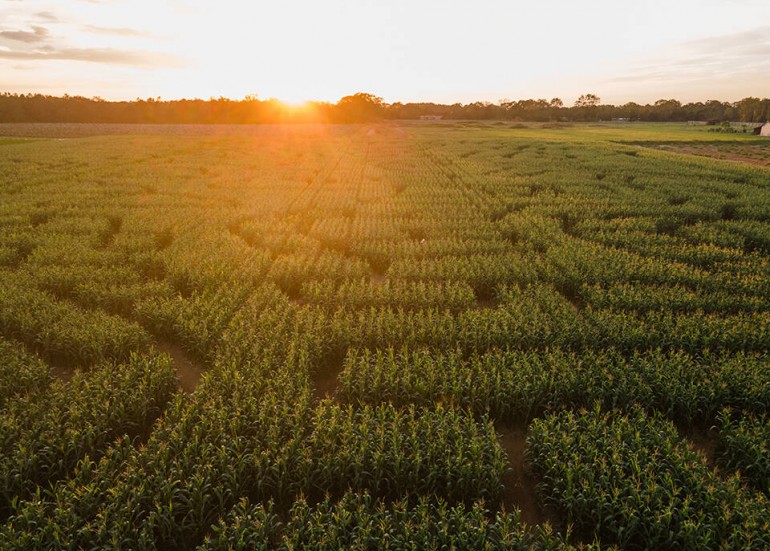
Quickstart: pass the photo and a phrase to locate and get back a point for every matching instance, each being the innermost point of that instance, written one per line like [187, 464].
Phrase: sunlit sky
[402, 50]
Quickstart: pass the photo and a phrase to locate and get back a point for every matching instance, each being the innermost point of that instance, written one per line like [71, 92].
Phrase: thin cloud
[115, 31]
[716, 57]
[37, 34]
[94, 55]
[47, 16]
[730, 41]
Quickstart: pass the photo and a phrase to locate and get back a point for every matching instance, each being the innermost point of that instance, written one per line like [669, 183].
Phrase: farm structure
[763, 130]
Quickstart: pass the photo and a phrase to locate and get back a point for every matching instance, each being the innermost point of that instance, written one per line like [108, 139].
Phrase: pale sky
[402, 50]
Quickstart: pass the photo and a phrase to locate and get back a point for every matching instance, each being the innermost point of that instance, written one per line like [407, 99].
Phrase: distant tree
[631, 110]
[668, 110]
[752, 110]
[480, 110]
[360, 107]
[588, 100]
[716, 110]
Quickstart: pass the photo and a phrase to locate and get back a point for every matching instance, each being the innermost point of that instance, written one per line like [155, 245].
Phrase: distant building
[431, 117]
[764, 130]
[621, 119]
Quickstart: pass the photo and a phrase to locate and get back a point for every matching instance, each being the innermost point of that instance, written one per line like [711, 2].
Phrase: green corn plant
[631, 480]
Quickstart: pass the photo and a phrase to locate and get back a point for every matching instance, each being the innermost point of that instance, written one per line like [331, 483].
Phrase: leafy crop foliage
[632, 480]
[373, 308]
[515, 385]
[745, 446]
[45, 433]
[20, 372]
[358, 521]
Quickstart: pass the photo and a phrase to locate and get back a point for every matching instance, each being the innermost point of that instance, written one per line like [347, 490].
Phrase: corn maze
[373, 309]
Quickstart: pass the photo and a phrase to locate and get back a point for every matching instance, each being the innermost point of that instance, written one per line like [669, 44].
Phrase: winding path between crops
[325, 386]
[519, 485]
[703, 441]
[61, 372]
[486, 303]
[326, 378]
[188, 371]
[377, 279]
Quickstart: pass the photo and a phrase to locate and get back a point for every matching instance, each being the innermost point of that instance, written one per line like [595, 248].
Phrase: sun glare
[299, 111]
[296, 107]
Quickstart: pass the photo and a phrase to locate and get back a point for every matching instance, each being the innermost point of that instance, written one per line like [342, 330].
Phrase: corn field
[374, 314]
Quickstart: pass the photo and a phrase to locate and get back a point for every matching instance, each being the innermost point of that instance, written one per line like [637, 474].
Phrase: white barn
[764, 130]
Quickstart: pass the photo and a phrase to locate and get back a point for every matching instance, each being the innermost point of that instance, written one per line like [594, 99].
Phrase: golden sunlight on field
[464, 334]
[384, 275]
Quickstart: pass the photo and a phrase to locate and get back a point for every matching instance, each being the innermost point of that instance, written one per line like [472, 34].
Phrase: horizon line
[309, 101]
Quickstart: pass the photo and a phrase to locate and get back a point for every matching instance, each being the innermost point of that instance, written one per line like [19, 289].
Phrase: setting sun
[384, 275]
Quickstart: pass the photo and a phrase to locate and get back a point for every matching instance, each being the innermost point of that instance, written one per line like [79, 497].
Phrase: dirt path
[326, 378]
[704, 442]
[62, 373]
[377, 279]
[326, 385]
[486, 304]
[519, 485]
[749, 153]
[746, 157]
[187, 370]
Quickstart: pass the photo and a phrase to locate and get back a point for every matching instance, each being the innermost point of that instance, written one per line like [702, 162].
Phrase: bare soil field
[754, 152]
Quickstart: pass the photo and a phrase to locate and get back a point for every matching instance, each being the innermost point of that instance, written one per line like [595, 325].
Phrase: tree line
[362, 107]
